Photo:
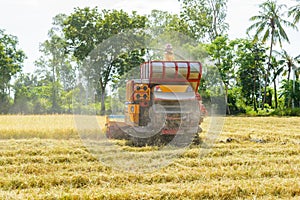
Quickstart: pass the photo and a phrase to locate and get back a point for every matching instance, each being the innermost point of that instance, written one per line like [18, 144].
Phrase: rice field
[47, 157]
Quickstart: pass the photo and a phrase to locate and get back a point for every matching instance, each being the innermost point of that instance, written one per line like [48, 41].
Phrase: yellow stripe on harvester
[173, 88]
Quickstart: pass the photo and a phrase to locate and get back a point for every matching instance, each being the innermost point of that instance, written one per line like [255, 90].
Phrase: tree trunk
[53, 90]
[289, 73]
[102, 90]
[268, 69]
[275, 94]
[102, 112]
[254, 96]
[294, 91]
[226, 100]
[288, 100]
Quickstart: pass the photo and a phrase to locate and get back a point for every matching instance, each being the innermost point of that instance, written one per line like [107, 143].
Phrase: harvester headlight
[157, 89]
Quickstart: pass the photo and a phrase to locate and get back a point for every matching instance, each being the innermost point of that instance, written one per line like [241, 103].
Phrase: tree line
[256, 78]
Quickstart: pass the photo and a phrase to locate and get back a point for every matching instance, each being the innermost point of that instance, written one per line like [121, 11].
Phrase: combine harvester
[161, 105]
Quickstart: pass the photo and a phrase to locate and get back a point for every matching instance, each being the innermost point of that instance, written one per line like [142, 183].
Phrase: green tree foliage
[285, 64]
[55, 66]
[294, 12]
[161, 21]
[32, 95]
[205, 18]
[105, 47]
[11, 62]
[276, 71]
[24, 86]
[290, 91]
[288, 66]
[251, 57]
[221, 51]
[270, 23]
[123, 67]
[86, 28]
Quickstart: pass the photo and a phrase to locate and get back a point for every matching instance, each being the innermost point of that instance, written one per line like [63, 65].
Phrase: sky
[30, 20]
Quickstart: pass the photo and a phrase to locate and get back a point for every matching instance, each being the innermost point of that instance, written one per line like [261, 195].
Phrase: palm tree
[269, 23]
[294, 11]
[277, 70]
[287, 63]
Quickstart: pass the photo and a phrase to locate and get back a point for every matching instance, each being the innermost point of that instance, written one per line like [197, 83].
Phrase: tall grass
[43, 126]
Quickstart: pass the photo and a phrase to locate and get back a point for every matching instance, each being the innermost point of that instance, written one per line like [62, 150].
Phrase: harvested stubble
[45, 166]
